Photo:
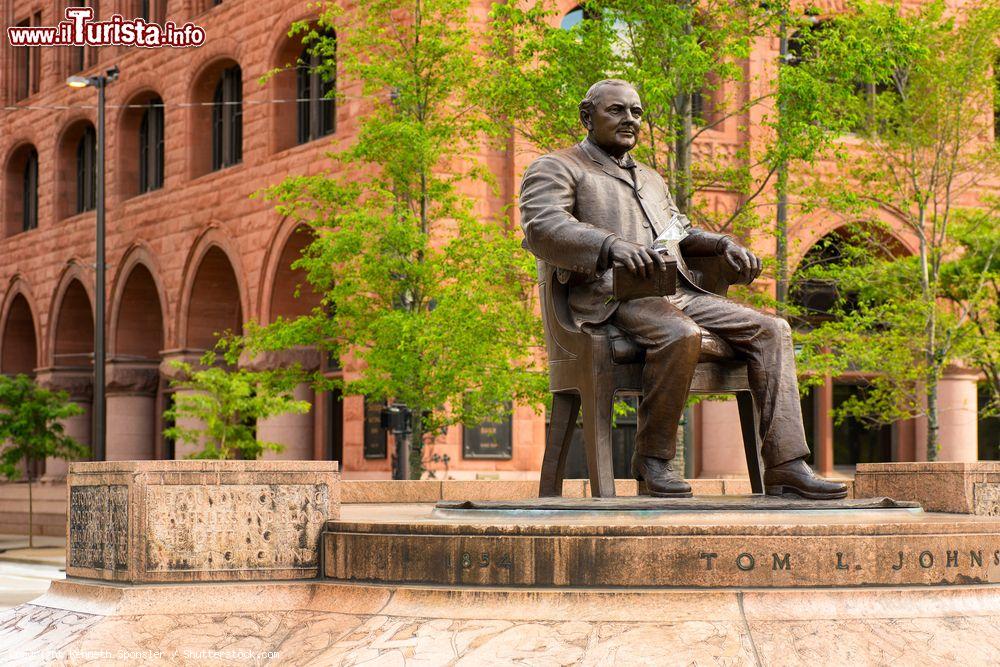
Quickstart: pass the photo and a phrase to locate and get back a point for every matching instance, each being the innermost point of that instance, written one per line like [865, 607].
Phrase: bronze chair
[587, 369]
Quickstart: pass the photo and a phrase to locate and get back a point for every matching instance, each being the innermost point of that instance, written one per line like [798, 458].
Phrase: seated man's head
[611, 112]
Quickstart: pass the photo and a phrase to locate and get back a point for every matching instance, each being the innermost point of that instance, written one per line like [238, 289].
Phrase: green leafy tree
[688, 60]
[31, 430]
[916, 85]
[432, 299]
[217, 409]
[971, 285]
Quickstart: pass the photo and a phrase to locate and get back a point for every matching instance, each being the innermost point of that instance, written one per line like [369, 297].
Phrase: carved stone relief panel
[229, 527]
[98, 529]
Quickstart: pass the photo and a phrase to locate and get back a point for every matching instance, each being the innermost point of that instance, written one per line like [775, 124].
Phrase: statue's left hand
[747, 264]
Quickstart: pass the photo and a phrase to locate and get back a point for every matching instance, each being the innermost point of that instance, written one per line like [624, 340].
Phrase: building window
[316, 109]
[151, 146]
[227, 119]
[86, 171]
[82, 57]
[24, 58]
[572, 17]
[29, 192]
[152, 11]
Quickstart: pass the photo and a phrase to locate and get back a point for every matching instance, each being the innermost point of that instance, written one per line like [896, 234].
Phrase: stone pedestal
[963, 488]
[157, 521]
[131, 392]
[79, 384]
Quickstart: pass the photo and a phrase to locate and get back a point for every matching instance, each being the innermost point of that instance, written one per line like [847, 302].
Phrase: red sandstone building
[190, 135]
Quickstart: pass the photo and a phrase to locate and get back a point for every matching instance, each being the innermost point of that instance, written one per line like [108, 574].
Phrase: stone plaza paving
[733, 580]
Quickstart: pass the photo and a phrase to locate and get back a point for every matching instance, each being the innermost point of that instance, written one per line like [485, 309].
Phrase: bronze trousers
[668, 328]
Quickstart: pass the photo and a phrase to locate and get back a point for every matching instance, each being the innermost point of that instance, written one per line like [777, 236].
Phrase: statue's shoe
[660, 477]
[796, 477]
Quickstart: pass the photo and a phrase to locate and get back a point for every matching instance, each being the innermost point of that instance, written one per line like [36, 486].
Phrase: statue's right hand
[640, 260]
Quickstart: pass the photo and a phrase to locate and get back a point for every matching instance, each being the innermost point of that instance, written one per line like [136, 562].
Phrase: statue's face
[614, 122]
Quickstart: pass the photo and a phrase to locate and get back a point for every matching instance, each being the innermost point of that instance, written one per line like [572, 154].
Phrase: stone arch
[71, 321]
[19, 332]
[214, 298]
[808, 231]
[138, 309]
[278, 292]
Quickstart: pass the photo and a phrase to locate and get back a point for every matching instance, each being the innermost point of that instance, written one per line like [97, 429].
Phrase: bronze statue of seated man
[590, 206]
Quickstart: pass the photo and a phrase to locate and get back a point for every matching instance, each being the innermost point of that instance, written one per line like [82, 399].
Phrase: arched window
[227, 119]
[29, 192]
[86, 171]
[571, 18]
[316, 108]
[151, 146]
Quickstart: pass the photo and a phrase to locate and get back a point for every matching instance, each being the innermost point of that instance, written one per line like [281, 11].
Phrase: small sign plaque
[488, 440]
[376, 443]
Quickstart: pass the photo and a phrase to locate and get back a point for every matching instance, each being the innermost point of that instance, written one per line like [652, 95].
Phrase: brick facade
[198, 256]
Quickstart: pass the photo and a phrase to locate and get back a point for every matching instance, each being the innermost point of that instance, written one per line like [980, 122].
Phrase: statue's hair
[590, 99]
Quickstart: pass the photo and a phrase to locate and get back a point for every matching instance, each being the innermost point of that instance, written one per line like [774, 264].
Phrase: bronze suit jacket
[574, 200]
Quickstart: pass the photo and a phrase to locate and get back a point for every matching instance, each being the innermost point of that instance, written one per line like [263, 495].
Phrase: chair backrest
[563, 339]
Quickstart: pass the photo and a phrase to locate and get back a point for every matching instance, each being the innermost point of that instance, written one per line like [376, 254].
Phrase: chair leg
[751, 439]
[562, 423]
[597, 403]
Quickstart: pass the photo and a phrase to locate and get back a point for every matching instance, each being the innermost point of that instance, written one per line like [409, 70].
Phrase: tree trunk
[682, 152]
[933, 426]
[781, 190]
[31, 521]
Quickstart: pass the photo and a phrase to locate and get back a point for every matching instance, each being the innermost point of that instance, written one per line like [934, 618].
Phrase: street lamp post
[99, 444]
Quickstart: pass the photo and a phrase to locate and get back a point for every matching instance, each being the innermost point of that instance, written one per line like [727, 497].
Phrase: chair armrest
[713, 273]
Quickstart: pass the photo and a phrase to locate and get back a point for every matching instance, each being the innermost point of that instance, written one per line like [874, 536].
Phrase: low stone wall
[159, 521]
[50, 496]
[960, 488]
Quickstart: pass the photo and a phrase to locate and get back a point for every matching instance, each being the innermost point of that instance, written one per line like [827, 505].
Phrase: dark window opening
[82, 57]
[23, 57]
[152, 11]
[227, 119]
[316, 107]
[623, 433]
[86, 171]
[854, 441]
[29, 193]
[151, 147]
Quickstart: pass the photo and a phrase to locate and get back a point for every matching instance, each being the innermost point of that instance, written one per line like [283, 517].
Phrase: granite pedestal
[716, 580]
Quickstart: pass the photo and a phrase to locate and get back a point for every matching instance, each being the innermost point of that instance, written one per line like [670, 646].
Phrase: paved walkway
[49, 551]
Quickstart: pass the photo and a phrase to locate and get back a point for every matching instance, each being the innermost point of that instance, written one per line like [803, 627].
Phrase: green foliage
[217, 409]
[30, 425]
[971, 284]
[670, 51]
[433, 299]
[914, 83]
